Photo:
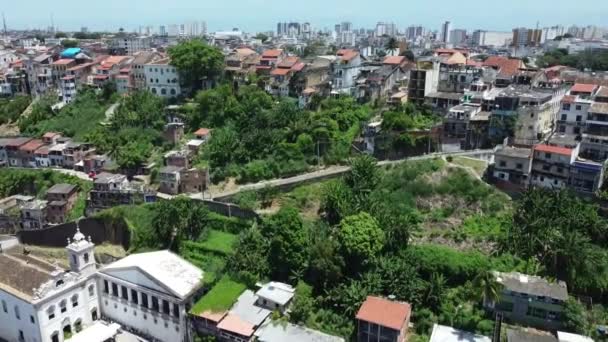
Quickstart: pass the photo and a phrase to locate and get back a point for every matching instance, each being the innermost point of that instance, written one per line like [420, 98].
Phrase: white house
[162, 78]
[42, 303]
[150, 293]
[346, 70]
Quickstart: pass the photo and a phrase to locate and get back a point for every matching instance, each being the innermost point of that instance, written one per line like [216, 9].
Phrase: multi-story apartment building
[530, 300]
[345, 70]
[138, 76]
[423, 80]
[110, 190]
[269, 59]
[513, 167]
[130, 45]
[380, 319]
[162, 78]
[34, 215]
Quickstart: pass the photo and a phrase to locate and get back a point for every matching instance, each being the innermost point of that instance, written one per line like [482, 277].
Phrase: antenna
[4, 23]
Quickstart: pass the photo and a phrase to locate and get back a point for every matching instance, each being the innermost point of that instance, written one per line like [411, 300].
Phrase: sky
[262, 15]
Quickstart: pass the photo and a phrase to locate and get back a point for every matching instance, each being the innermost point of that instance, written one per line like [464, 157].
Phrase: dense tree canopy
[196, 61]
[593, 60]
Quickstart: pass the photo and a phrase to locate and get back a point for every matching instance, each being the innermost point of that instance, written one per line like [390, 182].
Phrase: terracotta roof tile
[280, 72]
[553, 149]
[272, 53]
[233, 323]
[583, 88]
[506, 66]
[31, 145]
[384, 312]
[288, 62]
[202, 131]
[394, 60]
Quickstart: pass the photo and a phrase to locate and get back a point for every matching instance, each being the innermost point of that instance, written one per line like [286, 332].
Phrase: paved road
[329, 172]
[337, 170]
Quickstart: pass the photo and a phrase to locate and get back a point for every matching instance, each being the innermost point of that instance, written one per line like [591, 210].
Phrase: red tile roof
[63, 61]
[51, 135]
[298, 67]
[280, 72]
[202, 131]
[384, 312]
[234, 324]
[44, 150]
[553, 149]
[506, 66]
[583, 88]
[394, 60]
[31, 145]
[288, 62]
[272, 53]
[569, 99]
[347, 54]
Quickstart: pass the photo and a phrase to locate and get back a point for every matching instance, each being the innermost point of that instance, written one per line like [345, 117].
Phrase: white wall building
[131, 45]
[491, 38]
[346, 70]
[162, 79]
[41, 303]
[446, 28]
[151, 293]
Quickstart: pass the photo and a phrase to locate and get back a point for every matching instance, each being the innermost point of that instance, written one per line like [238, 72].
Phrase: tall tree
[250, 260]
[361, 240]
[196, 62]
[488, 288]
[177, 220]
[288, 252]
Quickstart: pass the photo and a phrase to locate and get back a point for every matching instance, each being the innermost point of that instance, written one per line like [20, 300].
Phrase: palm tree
[392, 44]
[435, 290]
[487, 285]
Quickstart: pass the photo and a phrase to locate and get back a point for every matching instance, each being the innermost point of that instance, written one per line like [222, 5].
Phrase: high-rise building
[491, 38]
[346, 26]
[338, 29]
[458, 36]
[293, 29]
[282, 29]
[203, 28]
[380, 29]
[526, 37]
[414, 32]
[445, 32]
[550, 33]
[391, 29]
[162, 30]
[84, 29]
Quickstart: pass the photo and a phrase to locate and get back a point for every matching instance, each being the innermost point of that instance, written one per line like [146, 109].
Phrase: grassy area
[59, 255]
[479, 166]
[220, 298]
[220, 242]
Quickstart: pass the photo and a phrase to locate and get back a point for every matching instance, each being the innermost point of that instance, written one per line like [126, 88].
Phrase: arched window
[173, 92]
[154, 91]
[62, 306]
[51, 312]
[86, 257]
[91, 290]
[94, 314]
[78, 325]
[74, 300]
[163, 91]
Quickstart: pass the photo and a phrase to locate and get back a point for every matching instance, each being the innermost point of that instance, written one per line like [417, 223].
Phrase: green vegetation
[479, 166]
[37, 182]
[196, 62]
[220, 242]
[220, 298]
[134, 132]
[593, 60]
[254, 137]
[11, 109]
[77, 119]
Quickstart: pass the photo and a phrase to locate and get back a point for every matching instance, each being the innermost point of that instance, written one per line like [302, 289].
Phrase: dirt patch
[9, 129]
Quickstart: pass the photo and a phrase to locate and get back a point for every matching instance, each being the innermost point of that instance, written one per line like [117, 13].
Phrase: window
[74, 300]
[519, 166]
[86, 257]
[62, 306]
[134, 298]
[144, 300]
[175, 310]
[114, 290]
[579, 107]
[51, 312]
[155, 305]
[4, 306]
[21, 336]
[163, 91]
[106, 287]
[124, 292]
[91, 290]
[562, 129]
[166, 307]
[32, 320]
[547, 155]
[564, 117]
[546, 167]
[577, 130]
[560, 170]
[17, 314]
[566, 106]
[502, 163]
[579, 118]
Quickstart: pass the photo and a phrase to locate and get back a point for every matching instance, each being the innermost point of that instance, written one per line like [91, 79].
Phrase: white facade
[446, 28]
[346, 71]
[131, 45]
[491, 38]
[162, 79]
[64, 303]
[150, 293]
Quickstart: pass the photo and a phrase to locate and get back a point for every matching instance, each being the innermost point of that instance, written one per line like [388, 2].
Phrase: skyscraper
[458, 36]
[445, 32]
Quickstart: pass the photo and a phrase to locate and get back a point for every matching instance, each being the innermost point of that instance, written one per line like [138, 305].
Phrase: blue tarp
[70, 53]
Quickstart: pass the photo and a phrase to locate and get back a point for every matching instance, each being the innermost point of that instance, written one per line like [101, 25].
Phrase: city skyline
[113, 14]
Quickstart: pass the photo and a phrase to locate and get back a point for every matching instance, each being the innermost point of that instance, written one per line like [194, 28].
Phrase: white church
[148, 294]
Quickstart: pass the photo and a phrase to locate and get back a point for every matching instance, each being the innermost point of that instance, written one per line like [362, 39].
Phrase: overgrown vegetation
[254, 137]
[593, 60]
[77, 119]
[11, 109]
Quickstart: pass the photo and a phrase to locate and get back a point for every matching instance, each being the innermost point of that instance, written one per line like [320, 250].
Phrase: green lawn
[220, 242]
[220, 297]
